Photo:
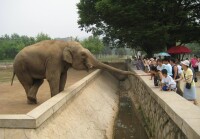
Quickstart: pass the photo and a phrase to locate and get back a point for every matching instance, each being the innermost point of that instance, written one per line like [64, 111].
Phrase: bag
[195, 79]
[165, 88]
[188, 85]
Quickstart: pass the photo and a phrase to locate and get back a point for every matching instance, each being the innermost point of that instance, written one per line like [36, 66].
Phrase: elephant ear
[67, 55]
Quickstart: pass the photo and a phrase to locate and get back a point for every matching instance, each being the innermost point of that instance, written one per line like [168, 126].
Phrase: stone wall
[165, 115]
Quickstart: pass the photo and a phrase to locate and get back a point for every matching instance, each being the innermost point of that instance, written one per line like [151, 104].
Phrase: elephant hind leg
[25, 80]
[33, 91]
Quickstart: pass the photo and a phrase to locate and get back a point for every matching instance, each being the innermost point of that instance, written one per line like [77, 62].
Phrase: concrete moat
[127, 125]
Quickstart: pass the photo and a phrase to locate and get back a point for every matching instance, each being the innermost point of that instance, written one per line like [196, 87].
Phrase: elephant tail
[12, 78]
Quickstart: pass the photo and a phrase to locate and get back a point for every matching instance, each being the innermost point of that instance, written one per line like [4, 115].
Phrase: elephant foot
[31, 100]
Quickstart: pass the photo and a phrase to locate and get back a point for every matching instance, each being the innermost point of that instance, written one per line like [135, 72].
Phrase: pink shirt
[194, 62]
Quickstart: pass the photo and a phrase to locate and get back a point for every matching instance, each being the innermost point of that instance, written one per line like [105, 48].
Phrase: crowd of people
[167, 73]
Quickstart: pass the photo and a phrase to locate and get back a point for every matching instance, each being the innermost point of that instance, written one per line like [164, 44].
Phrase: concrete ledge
[37, 116]
[182, 112]
[16, 121]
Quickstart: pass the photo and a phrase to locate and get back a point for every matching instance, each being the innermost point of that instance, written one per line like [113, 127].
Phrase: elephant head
[82, 59]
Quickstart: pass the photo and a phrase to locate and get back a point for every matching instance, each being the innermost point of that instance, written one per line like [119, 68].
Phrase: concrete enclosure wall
[86, 110]
[166, 115]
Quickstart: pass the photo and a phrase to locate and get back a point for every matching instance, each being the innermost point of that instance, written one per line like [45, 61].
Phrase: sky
[57, 18]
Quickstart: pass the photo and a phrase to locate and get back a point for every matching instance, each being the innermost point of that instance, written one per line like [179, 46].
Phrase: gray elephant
[50, 60]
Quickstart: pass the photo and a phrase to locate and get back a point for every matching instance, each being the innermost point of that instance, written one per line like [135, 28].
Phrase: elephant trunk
[103, 66]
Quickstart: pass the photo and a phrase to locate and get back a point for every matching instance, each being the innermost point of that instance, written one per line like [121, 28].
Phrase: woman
[187, 75]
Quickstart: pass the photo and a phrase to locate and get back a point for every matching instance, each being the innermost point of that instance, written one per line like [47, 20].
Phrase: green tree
[11, 45]
[94, 44]
[152, 25]
[27, 40]
[5, 37]
[195, 47]
[8, 50]
[42, 36]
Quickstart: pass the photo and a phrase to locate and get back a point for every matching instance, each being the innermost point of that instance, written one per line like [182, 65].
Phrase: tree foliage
[11, 45]
[93, 44]
[42, 36]
[195, 47]
[150, 25]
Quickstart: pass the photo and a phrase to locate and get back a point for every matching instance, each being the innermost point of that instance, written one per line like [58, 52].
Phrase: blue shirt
[168, 67]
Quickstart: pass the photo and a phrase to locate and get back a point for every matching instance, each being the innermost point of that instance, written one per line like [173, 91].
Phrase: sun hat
[152, 59]
[185, 62]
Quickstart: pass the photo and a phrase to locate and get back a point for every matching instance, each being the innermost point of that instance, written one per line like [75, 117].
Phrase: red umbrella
[179, 50]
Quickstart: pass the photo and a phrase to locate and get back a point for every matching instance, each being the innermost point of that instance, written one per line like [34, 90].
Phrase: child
[168, 83]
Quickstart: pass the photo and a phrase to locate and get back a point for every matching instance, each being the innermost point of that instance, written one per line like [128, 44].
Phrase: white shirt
[160, 67]
[179, 69]
[168, 81]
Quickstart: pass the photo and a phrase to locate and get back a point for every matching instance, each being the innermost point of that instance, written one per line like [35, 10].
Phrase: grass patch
[6, 75]
[6, 62]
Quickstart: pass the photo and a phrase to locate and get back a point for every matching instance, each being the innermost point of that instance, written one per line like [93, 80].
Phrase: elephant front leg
[53, 77]
[63, 79]
[54, 87]
[54, 80]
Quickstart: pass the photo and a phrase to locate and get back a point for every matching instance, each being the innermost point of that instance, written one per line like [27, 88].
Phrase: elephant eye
[83, 55]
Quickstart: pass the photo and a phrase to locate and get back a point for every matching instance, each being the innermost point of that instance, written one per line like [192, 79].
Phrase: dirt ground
[13, 98]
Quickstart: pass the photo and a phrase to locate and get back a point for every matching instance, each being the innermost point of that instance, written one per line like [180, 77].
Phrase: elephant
[50, 60]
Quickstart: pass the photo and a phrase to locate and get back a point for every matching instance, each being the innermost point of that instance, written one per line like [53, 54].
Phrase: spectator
[194, 62]
[146, 65]
[153, 68]
[140, 63]
[176, 73]
[179, 67]
[194, 73]
[174, 69]
[160, 65]
[167, 66]
[155, 74]
[167, 83]
[189, 92]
